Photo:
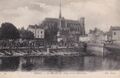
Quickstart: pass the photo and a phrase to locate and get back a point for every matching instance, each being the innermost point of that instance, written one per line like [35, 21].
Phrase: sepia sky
[97, 13]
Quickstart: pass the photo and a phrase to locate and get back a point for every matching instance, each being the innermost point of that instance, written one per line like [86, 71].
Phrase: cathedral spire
[60, 14]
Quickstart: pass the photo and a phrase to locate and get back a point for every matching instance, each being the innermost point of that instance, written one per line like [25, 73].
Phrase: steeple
[60, 14]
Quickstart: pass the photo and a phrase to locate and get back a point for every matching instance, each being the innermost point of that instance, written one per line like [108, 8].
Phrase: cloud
[25, 15]
[98, 13]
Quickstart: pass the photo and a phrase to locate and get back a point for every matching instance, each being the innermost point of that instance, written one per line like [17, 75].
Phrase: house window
[114, 33]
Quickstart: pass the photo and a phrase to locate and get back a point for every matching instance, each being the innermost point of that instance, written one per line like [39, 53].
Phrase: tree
[9, 31]
[51, 34]
[25, 34]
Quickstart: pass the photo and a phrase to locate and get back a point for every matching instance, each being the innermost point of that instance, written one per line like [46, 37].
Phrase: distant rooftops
[54, 20]
[34, 26]
[57, 19]
[115, 28]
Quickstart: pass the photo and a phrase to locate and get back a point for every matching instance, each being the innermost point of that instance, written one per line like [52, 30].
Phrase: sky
[98, 13]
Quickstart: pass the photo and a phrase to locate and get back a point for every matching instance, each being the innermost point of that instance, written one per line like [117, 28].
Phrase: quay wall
[114, 49]
[36, 51]
[97, 49]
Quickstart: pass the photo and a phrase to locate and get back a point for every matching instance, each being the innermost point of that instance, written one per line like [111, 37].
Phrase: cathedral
[61, 29]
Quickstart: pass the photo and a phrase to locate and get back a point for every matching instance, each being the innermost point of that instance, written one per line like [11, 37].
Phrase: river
[59, 63]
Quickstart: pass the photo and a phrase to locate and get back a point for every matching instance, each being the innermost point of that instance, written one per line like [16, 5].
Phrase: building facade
[97, 36]
[115, 33]
[38, 32]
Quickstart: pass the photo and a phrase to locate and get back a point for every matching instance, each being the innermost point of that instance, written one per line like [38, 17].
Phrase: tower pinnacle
[60, 14]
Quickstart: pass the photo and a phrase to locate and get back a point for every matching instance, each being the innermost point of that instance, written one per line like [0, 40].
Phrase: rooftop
[115, 28]
[57, 19]
[34, 26]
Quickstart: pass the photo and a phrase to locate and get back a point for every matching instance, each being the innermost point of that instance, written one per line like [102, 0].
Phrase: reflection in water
[7, 63]
[59, 63]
